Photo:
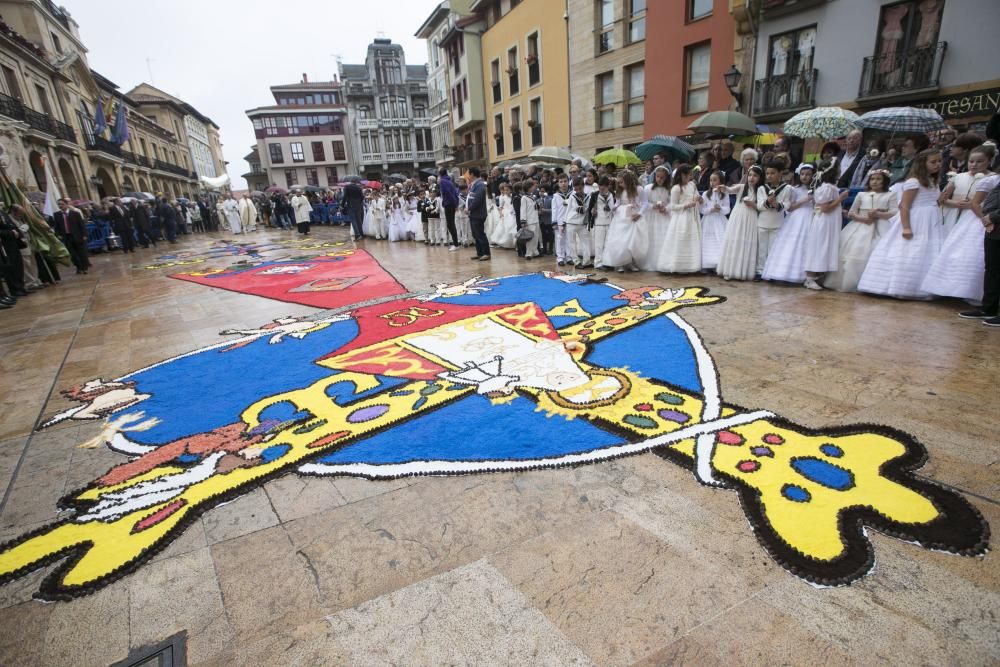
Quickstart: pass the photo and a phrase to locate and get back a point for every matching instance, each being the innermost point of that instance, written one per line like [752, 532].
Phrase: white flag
[51, 192]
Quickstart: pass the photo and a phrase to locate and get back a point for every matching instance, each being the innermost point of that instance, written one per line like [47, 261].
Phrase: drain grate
[168, 653]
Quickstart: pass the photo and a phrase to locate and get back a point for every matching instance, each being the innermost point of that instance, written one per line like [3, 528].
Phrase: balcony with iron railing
[906, 73]
[536, 134]
[36, 120]
[100, 144]
[470, 153]
[170, 168]
[784, 94]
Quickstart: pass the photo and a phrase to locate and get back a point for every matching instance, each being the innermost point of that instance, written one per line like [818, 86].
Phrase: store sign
[963, 105]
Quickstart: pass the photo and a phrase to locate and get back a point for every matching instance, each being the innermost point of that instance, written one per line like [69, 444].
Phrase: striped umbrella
[619, 157]
[822, 122]
[672, 147]
[903, 120]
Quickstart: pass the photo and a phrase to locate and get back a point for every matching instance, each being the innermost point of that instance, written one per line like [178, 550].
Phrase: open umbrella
[314, 188]
[822, 122]
[619, 157]
[183, 200]
[672, 147]
[585, 163]
[397, 178]
[352, 178]
[724, 122]
[903, 120]
[276, 189]
[256, 193]
[551, 155]
[375, 185]
[139, 195]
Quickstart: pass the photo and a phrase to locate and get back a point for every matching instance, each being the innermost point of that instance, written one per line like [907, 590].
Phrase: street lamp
[732, 77]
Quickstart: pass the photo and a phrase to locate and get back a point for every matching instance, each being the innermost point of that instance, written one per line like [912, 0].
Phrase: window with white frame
[698, 60]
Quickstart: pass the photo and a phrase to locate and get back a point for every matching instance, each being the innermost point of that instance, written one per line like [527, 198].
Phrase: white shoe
[452, 248]
[812, 284]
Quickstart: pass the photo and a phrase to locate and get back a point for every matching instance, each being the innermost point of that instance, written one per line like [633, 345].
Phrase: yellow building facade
[525, 75]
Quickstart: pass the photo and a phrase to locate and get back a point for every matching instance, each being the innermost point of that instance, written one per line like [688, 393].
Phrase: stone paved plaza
[618, 563]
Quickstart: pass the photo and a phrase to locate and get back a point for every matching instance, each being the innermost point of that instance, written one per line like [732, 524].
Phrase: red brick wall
[667, 36]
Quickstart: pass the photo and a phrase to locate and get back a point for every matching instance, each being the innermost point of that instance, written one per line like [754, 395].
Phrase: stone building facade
[607, 53]
[388, 112]
[302, 139]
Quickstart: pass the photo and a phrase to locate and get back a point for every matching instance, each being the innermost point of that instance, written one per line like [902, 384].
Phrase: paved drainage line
[48, 397]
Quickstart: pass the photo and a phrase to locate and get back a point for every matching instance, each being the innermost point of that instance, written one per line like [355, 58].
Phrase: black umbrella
[314, 188]
[353, 178]
[398, 178]
[139, 195]
[429, 172]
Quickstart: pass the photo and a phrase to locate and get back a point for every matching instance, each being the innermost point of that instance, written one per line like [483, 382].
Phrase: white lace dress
[898, 266]
[627, 243]
[858, 240]
[786, 261]
[738, 259]
[681, 250]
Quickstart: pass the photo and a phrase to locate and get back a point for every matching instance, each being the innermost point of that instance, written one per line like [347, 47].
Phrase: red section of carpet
[326, 281]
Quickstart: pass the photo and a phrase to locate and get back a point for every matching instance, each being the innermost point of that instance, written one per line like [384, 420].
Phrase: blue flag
[120, 135]
[100, 124]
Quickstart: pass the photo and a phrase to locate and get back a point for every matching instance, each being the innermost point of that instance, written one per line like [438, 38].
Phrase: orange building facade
[688, 48]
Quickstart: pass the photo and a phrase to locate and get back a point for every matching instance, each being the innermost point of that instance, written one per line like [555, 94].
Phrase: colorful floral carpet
[533, 371]
[332, 280]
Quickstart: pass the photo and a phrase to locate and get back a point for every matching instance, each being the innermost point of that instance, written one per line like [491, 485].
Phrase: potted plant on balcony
[511, 71]
[498, 135]
[532, 123]
[514, 129]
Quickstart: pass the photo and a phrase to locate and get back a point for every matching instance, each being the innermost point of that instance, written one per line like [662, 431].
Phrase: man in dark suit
[354, 197]
[168, 219]
[989, 312]
[477, 214]
[72, 229]
[11, 264]
[121, 222]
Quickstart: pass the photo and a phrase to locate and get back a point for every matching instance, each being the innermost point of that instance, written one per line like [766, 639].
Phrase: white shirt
[559, 207]
[576, 209]
[604, 209]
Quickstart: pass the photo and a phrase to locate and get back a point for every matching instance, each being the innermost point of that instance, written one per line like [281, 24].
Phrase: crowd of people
[913, 220]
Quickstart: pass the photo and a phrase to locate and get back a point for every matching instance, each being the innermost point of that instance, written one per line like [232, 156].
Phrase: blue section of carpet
[656, 349]
[474, 429]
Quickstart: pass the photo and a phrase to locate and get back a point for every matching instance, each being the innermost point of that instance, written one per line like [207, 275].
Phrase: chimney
[305, 79]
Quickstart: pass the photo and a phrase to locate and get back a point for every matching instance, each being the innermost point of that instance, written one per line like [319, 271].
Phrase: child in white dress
[657, 216]
[870, 214]
[414, 224]
[435, 223]
[601, 205]
[714, 209]
[505, 231]
[823, 233]
[464, 228]
[681, 250]
[957, 194]
[378, 216]
[628, 239]
[398, 217]
[786, 261]
[959, 268]
[903, 256]
[738, 259]
[529, 218]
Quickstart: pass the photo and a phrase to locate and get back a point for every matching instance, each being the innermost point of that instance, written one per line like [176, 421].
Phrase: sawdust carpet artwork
[542, 370]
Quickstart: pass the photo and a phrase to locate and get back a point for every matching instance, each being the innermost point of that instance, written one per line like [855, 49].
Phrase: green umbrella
[619, 157]
[724, 122]
[672, 147]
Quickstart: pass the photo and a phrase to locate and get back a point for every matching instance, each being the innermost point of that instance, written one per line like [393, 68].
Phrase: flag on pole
[100, 123]
[51, 191]
[120, 134]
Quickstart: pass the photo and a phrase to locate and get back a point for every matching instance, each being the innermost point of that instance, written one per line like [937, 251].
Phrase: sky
[221, 56]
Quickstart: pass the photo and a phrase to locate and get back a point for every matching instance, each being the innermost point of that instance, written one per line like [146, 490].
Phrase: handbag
[525, 234]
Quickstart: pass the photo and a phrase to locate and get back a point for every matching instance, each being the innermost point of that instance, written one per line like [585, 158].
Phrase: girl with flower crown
[958, 269]
[786, 260]
[905, 253]
[870, 214]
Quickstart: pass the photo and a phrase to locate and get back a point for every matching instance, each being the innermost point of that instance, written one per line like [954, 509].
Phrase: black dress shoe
[9, 300]
[5, 306]
[20, 293]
